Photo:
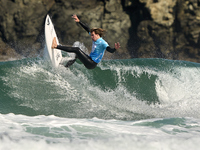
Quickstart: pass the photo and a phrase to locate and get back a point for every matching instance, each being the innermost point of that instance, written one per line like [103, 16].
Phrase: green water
[118, 89]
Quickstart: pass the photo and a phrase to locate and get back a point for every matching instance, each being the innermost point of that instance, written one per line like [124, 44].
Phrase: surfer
[99, 45]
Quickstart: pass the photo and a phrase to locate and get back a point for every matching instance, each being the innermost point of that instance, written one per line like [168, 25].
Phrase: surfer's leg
[68, 49]
[84, 58]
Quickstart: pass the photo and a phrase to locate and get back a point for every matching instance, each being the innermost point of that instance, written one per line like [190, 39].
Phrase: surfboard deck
[54, 55]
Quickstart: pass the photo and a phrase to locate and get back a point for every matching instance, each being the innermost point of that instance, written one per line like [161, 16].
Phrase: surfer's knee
[77, 49]
[90, 66]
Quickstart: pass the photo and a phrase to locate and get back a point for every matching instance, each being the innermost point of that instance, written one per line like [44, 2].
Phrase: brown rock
[145, 28]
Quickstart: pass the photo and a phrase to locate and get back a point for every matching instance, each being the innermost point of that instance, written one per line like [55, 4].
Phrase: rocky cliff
[145, 28]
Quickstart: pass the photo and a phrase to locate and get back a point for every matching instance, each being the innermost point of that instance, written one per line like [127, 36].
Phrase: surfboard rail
[54, 55]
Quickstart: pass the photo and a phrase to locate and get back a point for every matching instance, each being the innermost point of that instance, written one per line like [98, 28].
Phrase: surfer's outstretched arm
[76, 19]
[84, 26]
[112, 50]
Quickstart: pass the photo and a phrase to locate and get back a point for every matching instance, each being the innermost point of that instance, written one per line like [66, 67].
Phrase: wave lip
[131, 89]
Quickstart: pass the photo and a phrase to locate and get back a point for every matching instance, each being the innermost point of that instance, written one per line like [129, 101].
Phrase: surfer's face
[94, 36]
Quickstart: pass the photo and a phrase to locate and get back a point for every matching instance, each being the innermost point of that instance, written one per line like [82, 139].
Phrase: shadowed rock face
[145, 28]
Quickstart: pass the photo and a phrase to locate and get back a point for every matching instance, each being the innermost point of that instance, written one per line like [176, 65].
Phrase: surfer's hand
[117, 45]
[75, 18]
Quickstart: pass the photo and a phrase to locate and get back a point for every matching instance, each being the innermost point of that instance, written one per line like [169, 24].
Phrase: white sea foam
[50, 132]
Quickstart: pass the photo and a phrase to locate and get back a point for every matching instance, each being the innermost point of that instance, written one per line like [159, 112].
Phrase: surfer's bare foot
[54, 43]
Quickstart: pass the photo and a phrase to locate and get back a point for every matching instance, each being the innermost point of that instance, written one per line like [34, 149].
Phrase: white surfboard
[54, 55]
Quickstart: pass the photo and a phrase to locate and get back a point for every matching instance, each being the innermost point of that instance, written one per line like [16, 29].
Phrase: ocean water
[121, 104]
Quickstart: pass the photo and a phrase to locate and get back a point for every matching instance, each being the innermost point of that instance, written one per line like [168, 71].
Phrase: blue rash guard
[98, 48]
